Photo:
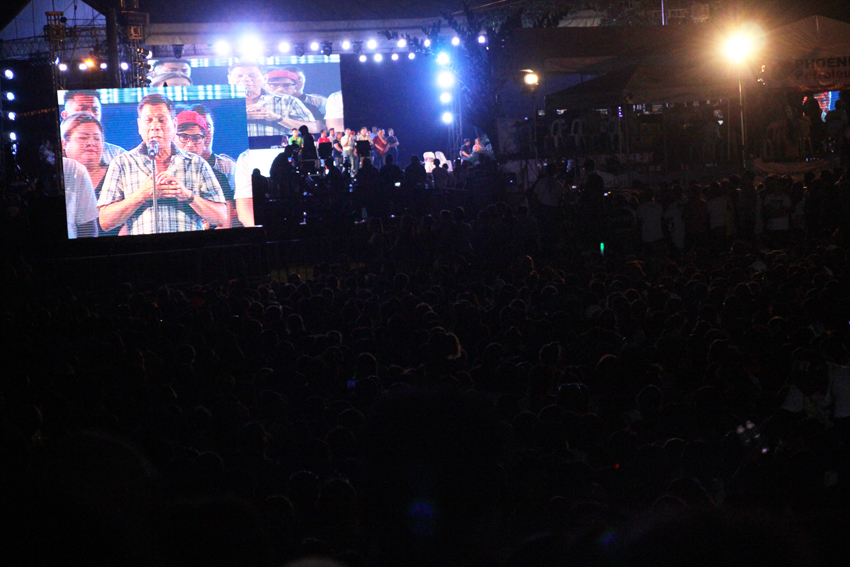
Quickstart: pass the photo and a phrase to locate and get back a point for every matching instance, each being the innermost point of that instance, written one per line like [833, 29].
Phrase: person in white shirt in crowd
[650, 215]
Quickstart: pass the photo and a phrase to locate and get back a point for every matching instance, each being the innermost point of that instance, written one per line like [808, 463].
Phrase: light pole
[739, 48]
[532, 81]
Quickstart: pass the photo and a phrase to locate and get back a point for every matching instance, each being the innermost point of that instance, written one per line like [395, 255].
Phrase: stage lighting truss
[358, 47]
[327, 48]
[299, 50]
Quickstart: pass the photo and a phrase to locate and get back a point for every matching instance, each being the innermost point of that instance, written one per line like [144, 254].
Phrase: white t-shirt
[773, 202]
[650, 213]
[80, 201]
[243, 189]
[334, 108]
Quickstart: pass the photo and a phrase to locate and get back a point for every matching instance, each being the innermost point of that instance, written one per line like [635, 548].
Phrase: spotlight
[251, 47]
[178, 51]
[445, 98]
[427, 43]
[394, 57]
[11, 116]
[13, 136]
[314, 46]
[9, 74]
[83, 67]
[327, 48]
[378, 57]
[531, 79]
[284, 47]
[411, 55]
[402, 43]
[346, 45]
[221, 47]
[372, 44]
[89, 63]
[446, 79]
[482, 39]
[362, 58]
[63, 67]
[299, 49]
[103, 65]
[443, 58]
[455, 41]
[124, 66]
[447, 117]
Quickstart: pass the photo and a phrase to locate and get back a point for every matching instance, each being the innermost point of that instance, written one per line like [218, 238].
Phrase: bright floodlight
[531, 79]
[447, 117]
[443, 58]
[346, 44]
[372, 44]
[10, 95]
[482, 38]
[402, 43]
[9, 74]
[13, 136]
[12, 116]
[221, 47]
[411, 55]
[63, 67]
[739, 47]
[394, 57]
[455, 41]
[379, 57]
[84, 67]
[446, 79]
[251, 47]
[445, 98]
[103, 65]
[314, 46]
[124, 66]
[284, 47]
[362, 58]
[89, 63]
[427, 43]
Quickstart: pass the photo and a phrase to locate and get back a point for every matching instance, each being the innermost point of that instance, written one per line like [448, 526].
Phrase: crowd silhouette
[460, 391]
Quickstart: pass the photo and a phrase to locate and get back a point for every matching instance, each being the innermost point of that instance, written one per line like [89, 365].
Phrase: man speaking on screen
[157, 187]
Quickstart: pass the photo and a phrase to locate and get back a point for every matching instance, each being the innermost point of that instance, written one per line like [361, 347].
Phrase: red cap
[282, 74]
[192, 117]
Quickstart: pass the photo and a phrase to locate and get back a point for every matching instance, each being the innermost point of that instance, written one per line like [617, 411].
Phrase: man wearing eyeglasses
[192, 128]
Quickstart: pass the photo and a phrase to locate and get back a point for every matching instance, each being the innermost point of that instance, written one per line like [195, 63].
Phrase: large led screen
[281, 93]
[117, 142]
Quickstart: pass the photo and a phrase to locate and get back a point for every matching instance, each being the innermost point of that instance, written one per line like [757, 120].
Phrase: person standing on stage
[392, 145]
[186, 188]
[363, 147]
[349, 140]
[191, 132]
[89, 102]
[465, 151]
[269, 114]
[379, 149]
[338, 150]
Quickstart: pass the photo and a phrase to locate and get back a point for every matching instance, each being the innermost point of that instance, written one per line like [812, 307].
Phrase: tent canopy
[810, 54]
[680, 77]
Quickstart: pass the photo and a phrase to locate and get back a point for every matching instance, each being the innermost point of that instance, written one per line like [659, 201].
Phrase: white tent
[812, 54]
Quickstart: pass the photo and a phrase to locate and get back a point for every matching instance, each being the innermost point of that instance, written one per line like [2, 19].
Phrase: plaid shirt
[129, 170]
[226, 165]
[110, 152]
[285, 105]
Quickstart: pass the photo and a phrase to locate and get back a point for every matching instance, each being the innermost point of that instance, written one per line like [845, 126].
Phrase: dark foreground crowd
[453, 400]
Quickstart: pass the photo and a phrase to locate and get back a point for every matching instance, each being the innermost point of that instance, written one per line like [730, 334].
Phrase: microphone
[153, 148]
